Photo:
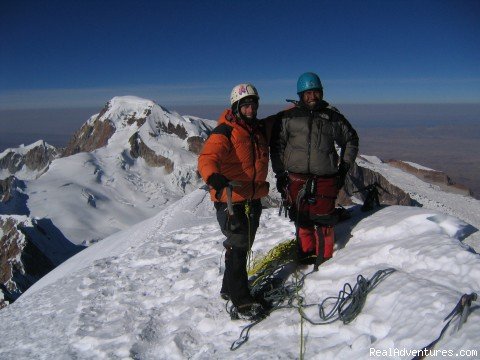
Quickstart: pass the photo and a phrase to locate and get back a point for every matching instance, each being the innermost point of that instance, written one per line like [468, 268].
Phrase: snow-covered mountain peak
[27, 162]
[123, 165]
[123, 110]
[23, 149]
[129, 120]
[134, 112]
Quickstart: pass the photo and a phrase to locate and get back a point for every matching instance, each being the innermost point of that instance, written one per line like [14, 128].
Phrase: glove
[342, 174]
[282, 183]
[217, 181]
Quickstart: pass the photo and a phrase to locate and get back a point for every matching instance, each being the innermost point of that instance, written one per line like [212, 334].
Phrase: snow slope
[152, 292]
[430, 196]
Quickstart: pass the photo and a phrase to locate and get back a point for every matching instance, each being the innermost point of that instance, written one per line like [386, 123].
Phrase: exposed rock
[12, 162]
[6, 188]
[21, 262]
[29, 249]
[172, 129]
[90, 137]
[139, 149]
[432, 176]
[195, 144]
[140, 121]
[13, 200]
[359, 178]
[40, 157]
[36, 157]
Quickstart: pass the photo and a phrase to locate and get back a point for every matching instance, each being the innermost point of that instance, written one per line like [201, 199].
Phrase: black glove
[342, 174]
[217, 181]
[282, 183]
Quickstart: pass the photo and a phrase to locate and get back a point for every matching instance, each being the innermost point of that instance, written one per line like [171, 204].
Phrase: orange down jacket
[240, 153]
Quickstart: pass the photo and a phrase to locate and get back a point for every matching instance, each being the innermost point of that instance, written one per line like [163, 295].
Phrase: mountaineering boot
[223, 291]
[236, 278]
[307, 259]
[262, 295]
[249, 312]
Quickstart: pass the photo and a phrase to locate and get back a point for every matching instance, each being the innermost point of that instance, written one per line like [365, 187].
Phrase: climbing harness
[308, 194]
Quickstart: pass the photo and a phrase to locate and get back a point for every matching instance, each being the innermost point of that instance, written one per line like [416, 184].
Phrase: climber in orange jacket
[235, 156]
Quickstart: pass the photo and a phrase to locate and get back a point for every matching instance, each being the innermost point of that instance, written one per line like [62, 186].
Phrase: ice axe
[228, 189]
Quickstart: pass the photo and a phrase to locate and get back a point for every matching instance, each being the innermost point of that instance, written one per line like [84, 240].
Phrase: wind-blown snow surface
[152, 292]
[430, 196]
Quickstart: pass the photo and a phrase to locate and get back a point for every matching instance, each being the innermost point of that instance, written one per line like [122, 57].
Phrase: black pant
[240, 230]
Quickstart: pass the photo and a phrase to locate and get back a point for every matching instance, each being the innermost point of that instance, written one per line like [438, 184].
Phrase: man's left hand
[342, 174]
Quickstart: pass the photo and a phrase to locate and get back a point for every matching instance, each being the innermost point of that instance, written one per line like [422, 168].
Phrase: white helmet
[242, 91]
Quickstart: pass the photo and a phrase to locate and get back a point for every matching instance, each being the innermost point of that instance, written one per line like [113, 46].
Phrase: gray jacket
[303, 140]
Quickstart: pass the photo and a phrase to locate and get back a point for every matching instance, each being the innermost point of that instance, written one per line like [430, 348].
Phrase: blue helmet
[308, 81]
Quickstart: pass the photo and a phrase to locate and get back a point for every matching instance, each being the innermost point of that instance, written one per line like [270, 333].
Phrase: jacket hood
[229, 118]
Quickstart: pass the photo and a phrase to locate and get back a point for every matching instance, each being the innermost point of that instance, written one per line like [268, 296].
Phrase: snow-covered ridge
[109, 301]
[430, 196]
[24, 149]
[27, 162]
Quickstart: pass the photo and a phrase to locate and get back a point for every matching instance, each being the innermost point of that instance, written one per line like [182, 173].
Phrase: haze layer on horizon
[445, 137]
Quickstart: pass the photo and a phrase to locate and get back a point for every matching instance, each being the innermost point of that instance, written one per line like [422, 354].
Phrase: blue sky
[81, 53]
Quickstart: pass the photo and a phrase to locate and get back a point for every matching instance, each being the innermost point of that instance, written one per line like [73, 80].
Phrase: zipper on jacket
[310, 121]
[252, 139]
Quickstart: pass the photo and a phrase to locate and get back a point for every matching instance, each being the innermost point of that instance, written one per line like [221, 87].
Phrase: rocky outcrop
[177, 130]
[139, 121]
[90, 137]
[433, 177]
[21, 262]
[34, 158]
[138, 149]
[360, 178]
[13, 200]
[29, 249]
[7, 187]
[195, 144]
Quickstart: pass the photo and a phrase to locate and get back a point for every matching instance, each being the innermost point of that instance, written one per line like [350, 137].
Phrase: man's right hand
[218, 181]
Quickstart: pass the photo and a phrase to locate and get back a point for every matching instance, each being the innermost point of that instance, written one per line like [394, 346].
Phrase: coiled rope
[281, 294]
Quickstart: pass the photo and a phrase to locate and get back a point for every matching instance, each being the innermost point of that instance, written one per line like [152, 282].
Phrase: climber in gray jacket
[308, 169]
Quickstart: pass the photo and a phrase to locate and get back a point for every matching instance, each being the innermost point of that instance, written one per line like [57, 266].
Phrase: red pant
[312, 202]
[318, 240]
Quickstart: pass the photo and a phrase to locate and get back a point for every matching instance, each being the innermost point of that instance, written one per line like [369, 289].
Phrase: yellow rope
[282, 253]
